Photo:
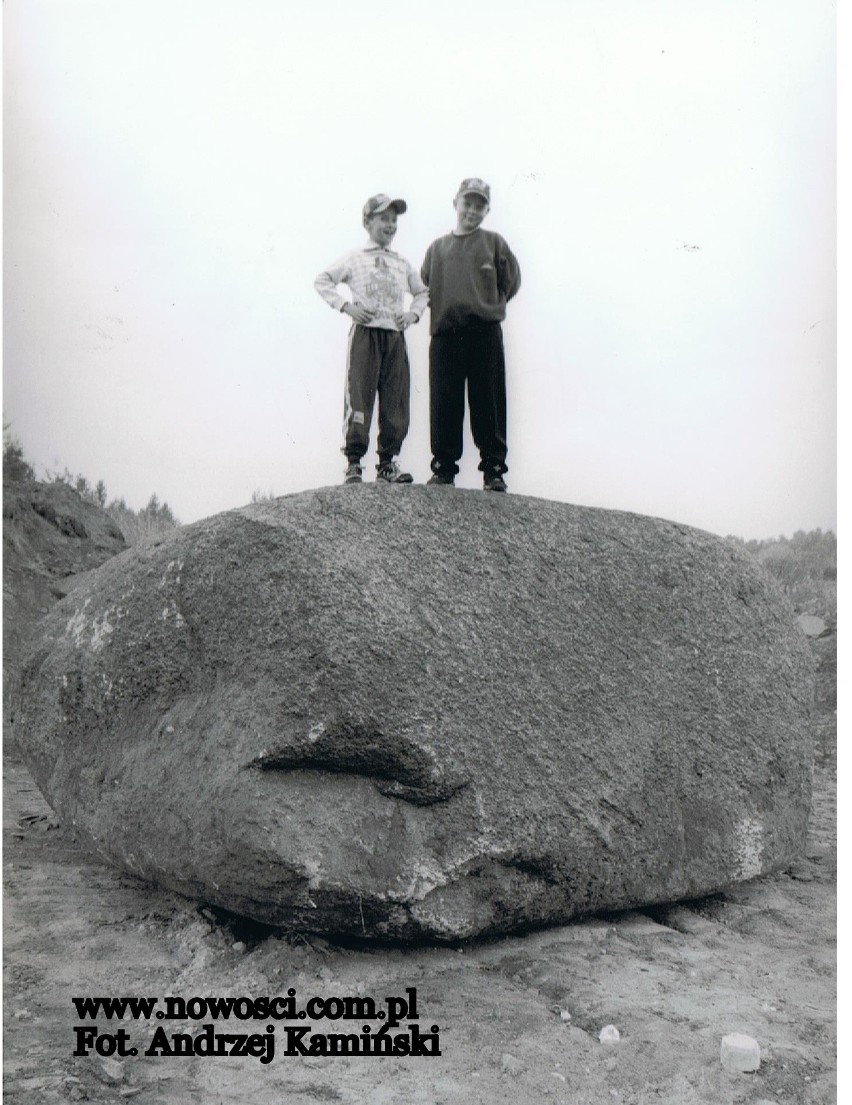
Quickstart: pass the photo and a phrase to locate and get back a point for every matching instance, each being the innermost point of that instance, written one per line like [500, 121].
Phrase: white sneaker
[390, 473]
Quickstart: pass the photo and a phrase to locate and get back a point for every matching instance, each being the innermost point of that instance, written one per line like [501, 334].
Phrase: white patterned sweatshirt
[378, 279]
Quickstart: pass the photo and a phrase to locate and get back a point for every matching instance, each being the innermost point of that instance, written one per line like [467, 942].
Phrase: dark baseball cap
[477, 186]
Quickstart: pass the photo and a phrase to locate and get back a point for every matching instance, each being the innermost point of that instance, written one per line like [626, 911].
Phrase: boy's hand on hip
[405, 320]
[360, 314]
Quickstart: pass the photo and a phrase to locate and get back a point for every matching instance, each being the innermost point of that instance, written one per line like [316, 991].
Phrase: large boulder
[420, 713]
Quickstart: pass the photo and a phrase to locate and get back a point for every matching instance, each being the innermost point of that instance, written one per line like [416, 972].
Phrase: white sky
[178, 171]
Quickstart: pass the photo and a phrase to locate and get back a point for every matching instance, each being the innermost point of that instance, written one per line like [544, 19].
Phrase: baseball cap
[476, 185]
[375, 205]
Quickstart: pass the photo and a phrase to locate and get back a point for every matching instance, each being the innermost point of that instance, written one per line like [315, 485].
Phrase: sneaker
[389, 472]
[493, 481]
[441, 478]
[353, 472]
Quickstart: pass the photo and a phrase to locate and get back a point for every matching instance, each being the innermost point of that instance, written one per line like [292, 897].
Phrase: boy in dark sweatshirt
[471, 274]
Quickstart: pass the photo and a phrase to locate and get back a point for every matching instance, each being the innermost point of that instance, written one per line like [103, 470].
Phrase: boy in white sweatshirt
[377, 359]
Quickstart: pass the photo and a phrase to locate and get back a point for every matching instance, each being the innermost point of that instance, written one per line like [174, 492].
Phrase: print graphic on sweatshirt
[383, 290]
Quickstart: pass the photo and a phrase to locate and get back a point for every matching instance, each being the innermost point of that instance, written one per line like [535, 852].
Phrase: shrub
[14, 466]
[806, 567]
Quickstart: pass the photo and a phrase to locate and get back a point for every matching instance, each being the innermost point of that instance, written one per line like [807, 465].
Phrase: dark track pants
[472, 355]
[376, 364]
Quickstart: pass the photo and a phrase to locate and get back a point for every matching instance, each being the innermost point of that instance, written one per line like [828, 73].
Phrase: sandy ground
[518, 1018]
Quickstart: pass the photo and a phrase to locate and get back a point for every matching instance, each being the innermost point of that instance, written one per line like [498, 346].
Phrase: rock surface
[812, 626]
[739, 1052]
[416, 713]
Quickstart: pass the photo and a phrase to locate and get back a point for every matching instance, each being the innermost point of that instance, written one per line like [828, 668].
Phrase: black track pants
[472, 355]
[376, 364]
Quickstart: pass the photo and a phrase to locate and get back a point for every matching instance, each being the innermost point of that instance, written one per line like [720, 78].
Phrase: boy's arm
[420, 293]
[508, 270]
[419, 302]
[327, 281]
[426, 267]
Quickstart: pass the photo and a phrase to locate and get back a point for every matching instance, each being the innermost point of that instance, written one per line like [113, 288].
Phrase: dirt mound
[409, 712]
[50, 535]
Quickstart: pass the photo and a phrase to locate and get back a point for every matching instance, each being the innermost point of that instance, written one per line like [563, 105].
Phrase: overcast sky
[178, 171]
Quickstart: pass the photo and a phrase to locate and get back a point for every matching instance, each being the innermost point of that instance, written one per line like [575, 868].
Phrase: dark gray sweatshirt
[471, 278]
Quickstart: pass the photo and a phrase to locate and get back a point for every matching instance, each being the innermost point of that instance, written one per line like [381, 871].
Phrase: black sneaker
[493, 481]
[353, 472]
[441, 478]
[389, 472]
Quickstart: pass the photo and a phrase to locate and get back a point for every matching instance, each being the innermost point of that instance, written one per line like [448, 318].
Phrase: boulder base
[422, 713]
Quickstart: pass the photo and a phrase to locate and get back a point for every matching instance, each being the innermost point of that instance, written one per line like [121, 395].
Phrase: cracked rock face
[409, 713]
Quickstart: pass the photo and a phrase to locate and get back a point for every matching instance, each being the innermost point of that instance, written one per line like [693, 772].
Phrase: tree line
[155, 517]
